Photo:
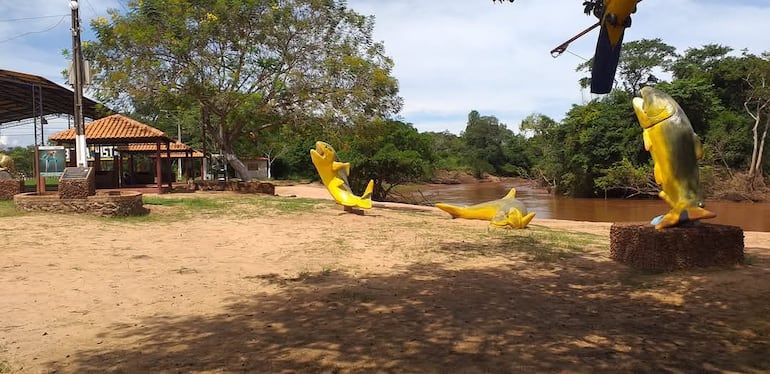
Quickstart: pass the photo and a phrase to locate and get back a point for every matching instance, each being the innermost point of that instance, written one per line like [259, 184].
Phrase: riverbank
[216, 282]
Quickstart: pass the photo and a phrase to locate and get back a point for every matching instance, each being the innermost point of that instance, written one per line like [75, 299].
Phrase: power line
[92, 9]
[32, 18]
[35, 32]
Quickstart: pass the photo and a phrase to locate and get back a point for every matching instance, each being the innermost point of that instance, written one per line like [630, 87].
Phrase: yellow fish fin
[336, 166]
[454, 211]
[697, 213]
[647, 140]
[698, 148]
[511, 194]
[526, 219]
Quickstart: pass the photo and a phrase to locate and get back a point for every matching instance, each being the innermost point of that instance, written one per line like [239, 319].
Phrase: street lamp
[77, 68]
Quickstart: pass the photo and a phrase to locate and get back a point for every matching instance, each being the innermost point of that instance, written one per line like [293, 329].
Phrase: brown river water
[749, 216]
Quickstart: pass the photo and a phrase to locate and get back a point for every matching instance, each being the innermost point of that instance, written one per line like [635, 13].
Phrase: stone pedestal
[9, 187]
[77, 183]
[642, 247]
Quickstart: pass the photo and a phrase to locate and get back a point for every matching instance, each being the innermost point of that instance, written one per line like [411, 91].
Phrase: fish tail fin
[511, 194]
[365, 201]
[668, 220]
[454, 211]
[698, 213]
[677, 216]
[526, 219]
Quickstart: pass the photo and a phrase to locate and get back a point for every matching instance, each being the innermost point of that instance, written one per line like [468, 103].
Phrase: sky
[450, 56]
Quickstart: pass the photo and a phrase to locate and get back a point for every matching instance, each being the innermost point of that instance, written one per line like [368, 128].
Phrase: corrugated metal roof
[20, 92]
[115, 129]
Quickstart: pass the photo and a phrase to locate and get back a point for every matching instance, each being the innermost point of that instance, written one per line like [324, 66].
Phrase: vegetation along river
[749, 216]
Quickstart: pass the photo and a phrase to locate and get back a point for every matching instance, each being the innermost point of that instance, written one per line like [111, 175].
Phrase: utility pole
[81, 150]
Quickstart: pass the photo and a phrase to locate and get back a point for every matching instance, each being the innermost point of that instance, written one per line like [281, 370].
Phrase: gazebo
[119, 130]
[179, 151]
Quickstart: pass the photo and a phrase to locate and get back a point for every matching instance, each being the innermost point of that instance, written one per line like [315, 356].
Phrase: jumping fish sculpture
[506, 212]
[675, 150]
[7, 168]
[334, 175]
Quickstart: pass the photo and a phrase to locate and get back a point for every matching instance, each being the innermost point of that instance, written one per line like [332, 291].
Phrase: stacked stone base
[109, 204]
[77, 188]
[9, 187]
[641, 246]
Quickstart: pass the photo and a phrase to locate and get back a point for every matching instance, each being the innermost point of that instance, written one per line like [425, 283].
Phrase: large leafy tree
[389, 152]
[639, 61]
[245, 64]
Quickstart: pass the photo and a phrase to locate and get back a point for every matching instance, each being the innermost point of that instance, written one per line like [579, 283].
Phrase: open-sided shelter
[119, 130]
[25, 96]
[181, 152]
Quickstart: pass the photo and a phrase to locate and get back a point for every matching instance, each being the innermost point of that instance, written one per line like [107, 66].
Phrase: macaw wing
[605, 63]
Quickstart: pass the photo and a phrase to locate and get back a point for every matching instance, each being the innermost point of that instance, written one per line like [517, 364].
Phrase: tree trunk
[758, 172]
[237, 165]
[755, 150]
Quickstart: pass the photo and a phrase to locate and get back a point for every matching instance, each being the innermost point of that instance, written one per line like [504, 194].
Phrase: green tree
[492, 147]
[544, 138]
[593, 138]
[23, 159]
[389, 152]
[639, 59]
[757, 105]
[247, 64]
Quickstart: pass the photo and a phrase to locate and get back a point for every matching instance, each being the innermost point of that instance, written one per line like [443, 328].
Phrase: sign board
[75, 173]
[51, 160]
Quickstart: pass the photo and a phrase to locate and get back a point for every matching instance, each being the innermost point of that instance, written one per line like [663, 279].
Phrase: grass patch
[194, 204]
[5, 367]
[167, 208]
[535, 244]
[8, 209]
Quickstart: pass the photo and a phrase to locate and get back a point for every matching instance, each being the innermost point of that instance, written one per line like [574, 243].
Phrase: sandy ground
[257, 290]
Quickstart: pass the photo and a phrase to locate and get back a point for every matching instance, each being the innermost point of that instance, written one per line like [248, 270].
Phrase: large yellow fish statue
[334, 175]
[505, 213]
[675, 150]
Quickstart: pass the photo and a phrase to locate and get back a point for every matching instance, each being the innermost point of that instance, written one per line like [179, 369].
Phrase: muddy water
[749, 216]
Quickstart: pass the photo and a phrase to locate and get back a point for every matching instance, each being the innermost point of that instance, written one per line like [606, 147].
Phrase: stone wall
[108, 204]
[9, 187]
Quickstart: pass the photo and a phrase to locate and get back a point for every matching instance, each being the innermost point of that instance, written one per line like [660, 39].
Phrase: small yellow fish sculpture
[675, 150]
[506, 212]
[334, 175]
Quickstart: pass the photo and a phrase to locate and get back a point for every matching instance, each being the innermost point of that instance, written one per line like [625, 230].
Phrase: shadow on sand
[431, 318]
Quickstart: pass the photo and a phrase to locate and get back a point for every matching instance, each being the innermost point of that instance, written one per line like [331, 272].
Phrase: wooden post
[158, 170]
[38, 179]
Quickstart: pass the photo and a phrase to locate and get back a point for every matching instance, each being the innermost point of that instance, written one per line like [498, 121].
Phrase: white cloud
[455, 56]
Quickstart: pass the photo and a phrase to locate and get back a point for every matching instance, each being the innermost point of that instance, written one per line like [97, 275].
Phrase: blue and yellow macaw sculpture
[614, 18]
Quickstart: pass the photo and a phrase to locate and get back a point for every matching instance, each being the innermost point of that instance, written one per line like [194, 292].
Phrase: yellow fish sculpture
[506, 212]
[675, 150]
[334, 175]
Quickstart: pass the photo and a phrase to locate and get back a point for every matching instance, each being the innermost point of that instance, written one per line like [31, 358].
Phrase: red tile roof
[115, 129]
[178, 150]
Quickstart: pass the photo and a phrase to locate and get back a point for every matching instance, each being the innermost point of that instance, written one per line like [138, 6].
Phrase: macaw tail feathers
[605, 63]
